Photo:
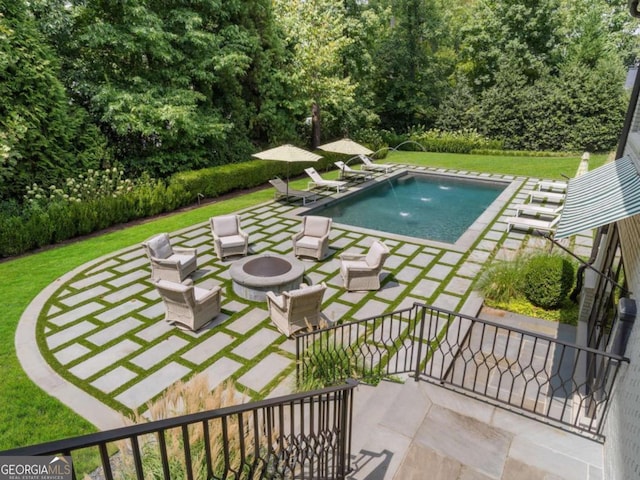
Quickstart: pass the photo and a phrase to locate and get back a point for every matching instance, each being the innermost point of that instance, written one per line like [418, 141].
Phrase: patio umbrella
[287, 153]
[346, 146]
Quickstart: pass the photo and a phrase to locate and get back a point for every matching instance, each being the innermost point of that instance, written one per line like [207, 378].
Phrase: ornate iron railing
[306, 436]
[544, 377]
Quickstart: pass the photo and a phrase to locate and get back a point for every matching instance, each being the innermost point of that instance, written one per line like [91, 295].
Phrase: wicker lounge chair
[297, 309]
[313, 239]
[228, 237]
[283, 191]
[167, 262]
[189, 306]
[318, 182]
[348, 173]
[367, 164]
[362, 271]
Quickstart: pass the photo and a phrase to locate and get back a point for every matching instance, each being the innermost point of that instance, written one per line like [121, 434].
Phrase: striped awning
[604, 195]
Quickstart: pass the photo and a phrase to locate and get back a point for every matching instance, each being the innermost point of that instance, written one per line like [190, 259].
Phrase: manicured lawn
[540, 167]
[29, 415]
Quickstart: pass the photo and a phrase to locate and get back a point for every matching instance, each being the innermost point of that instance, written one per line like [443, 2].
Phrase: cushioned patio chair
[348, 173]
[167, 262]
[313, 239]
[367, 164]
[296, 310]
[362, 271]
[228, 237]
[318, 182]
[284, 191]
[188, 306]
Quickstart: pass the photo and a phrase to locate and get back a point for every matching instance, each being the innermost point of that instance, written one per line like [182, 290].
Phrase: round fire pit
[252, 277]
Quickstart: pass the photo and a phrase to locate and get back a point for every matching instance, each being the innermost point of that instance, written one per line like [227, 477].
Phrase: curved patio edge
[41, 373]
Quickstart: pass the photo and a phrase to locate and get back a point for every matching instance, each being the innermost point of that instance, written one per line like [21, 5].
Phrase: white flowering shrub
[94, 184]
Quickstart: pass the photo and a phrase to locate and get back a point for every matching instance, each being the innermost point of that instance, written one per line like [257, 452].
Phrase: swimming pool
[432, 207]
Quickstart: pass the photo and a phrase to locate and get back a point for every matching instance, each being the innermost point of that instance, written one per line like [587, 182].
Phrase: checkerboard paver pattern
[104, 329]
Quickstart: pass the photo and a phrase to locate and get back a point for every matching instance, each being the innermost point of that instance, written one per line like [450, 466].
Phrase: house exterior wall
[622, 425]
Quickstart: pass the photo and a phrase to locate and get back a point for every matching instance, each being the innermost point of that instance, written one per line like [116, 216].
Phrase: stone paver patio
[101, 335]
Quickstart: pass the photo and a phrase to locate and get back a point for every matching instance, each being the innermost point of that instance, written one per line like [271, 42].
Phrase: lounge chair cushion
[160, 247]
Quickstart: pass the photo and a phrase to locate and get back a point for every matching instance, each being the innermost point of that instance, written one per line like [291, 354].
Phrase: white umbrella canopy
[287, 153]
[346, 146]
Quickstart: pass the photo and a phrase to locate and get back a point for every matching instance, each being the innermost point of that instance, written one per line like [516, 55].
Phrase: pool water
[431, 207]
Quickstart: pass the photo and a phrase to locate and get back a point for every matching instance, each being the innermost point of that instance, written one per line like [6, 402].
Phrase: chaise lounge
[552, 185]
[284, 191]
[534, 209]
[347, 173]
[546, 196]
[522, 223]
[367, 164]
[318, 182]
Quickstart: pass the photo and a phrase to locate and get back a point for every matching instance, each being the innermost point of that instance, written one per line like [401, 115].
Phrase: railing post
[420, 338]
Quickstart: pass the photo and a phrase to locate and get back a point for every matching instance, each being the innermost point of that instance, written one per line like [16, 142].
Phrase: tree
[43, 137]
[175, 84]
[524, 33]
[410, 75]
[315, 37]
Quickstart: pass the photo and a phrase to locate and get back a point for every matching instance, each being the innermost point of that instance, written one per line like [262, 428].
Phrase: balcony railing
[560, 382]
[305, 436]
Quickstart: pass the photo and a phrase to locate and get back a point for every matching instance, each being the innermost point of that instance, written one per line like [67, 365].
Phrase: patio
[104, 350]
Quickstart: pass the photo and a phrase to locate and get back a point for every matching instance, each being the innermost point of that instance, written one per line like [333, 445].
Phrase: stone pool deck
[106, 350]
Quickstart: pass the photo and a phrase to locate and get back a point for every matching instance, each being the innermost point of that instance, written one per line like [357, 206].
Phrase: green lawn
[540, 167]
[29, 415]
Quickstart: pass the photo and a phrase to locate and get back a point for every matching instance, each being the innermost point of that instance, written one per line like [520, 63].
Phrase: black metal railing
[546, 377]
[306, 436]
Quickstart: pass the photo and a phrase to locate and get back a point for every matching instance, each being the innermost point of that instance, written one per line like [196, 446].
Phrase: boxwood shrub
[547, 280]
[56, 221]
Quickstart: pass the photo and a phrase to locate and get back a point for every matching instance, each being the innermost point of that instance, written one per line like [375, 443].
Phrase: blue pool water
[435, 208]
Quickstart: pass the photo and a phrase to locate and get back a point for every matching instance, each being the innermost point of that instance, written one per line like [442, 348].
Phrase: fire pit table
[254, 276]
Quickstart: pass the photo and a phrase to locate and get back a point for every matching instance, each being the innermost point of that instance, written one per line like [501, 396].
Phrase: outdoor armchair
[167, 262]
[189, 306]
[297, 309]
[228, 238]
[362, 271]
[313, 239]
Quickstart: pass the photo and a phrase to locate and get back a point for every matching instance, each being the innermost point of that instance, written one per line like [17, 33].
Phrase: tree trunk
[315, 126]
